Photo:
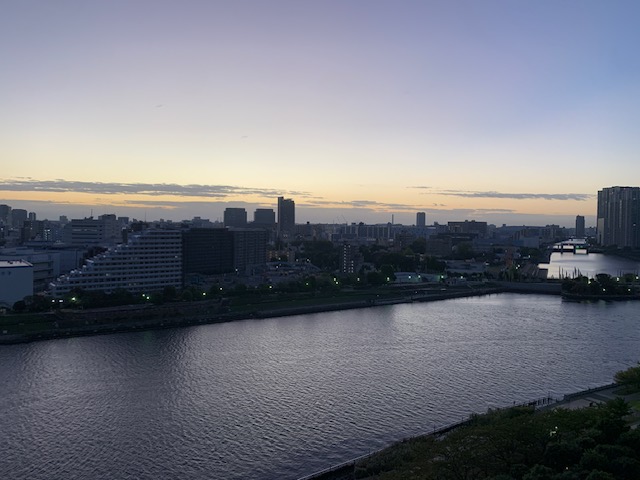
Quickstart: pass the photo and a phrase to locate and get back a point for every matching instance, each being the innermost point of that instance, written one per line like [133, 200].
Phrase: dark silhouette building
[421, 219]
[18, 217]
[286, 216]
[208, 251]
[264, 218]
[213, 251]
[235, 217]
[469, 227]
[579, 226]
[249, 249]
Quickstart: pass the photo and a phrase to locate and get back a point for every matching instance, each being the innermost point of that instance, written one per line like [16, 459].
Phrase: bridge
[573, 245]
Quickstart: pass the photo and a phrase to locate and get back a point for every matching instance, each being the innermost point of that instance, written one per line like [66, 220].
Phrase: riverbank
[67, 323]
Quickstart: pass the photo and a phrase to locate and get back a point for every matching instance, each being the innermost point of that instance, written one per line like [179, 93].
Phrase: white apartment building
[16, 281]
[150, 261]
[46, 264]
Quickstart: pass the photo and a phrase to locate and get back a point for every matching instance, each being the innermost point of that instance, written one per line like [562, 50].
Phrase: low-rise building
[16, 281]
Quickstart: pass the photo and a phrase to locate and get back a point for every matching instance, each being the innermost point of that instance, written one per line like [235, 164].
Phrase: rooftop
[14, 264]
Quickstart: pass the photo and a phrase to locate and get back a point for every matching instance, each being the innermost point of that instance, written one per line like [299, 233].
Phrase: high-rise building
[5, 215]
[264, 217]
[18, 217]
[579, 226]
[286, 216]
[421, 219]
[619, 217]
[235, 217]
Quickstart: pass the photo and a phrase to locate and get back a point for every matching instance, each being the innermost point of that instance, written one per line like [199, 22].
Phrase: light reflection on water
[571, 265]
[283, 397]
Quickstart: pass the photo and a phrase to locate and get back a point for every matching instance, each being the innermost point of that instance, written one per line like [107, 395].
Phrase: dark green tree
[629, 378]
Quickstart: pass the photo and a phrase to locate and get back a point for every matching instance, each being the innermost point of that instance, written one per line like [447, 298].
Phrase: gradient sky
[505, 111]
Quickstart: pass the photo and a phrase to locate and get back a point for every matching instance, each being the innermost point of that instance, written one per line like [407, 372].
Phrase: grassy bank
[520, 443]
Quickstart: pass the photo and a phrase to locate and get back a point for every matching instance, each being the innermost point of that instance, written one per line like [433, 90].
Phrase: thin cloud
[518, 196]
[358, 204]
[100, 188]
[377, 205]
[469, 211]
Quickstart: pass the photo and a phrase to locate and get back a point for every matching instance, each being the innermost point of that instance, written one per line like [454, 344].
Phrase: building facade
[16, 281]
[579, 226]
[207, 251]
[18, 217]
[249, 249]
[150, 261]
[104, 230]
[235, 217]
[618, 220]
[264, 218]
[421, 219]
[45, 264]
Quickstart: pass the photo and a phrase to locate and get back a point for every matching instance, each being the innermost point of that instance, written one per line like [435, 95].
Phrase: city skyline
[493, 111]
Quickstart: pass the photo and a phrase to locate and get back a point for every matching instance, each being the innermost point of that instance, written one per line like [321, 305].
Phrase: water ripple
[283, 397]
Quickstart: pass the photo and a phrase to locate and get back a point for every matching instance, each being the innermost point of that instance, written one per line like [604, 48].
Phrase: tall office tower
[235, 217]
[286, 216]
[421, 219]
[264, 217]
[5, 215]
[18, 217]
[32, 216]
[579, 226]
[619, 217]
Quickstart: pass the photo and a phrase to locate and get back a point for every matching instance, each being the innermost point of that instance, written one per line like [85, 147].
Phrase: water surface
[279, 398]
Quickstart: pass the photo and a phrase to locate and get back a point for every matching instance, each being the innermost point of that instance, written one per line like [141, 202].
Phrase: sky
[513, 112]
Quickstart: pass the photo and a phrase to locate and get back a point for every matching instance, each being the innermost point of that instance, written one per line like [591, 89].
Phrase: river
[570, 265]
[283, 397]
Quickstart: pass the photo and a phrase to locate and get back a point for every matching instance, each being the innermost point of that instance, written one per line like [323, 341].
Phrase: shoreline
[135, 318]
[579, 399]
[67, 324]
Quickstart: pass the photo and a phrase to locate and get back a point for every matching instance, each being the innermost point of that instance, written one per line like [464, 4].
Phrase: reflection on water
[283, 397]
[571, 265]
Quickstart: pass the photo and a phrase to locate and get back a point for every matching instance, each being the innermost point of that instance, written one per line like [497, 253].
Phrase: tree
[169, 293]
[629, 378]
[20, 306]
[387, 272]
[375, 278]
[419, 246]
